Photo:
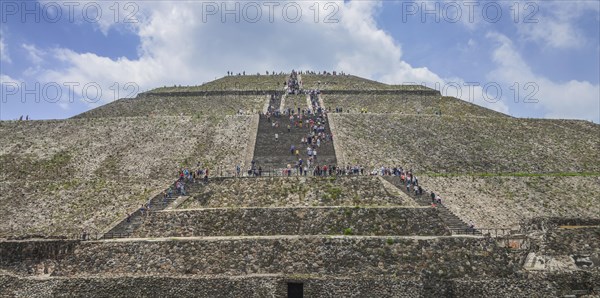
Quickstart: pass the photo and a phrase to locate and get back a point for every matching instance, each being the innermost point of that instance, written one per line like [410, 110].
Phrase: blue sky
[546, 51]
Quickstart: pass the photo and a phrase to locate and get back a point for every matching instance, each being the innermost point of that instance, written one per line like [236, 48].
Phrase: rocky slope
[467, 144]
[504, 201]
[59, 177]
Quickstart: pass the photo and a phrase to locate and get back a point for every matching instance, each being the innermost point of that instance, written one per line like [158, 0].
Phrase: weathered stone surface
[532, 285]
[338, 256]
[563, 244]
[209, 105]
[538, 285]
[60, 177]
[450, 144]
[506, 201]
[294, 191]
[405, 104]
[293, 221]
[296, 101]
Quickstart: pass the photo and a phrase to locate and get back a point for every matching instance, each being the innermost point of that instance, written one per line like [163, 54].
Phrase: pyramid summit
[299, 185]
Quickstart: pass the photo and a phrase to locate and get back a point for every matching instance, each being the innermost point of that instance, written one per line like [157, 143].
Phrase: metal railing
[491, 232]
[116, 235]
[505, 237]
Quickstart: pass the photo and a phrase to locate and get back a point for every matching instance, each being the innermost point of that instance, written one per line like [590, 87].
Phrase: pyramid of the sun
[530, 187]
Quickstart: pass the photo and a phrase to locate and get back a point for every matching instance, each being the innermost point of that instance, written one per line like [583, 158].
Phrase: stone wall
[294, 191]
[536, 285]
[565, 245]
[13, 252]
[352, 257]
[293, 221]
[573, 284]
[340, 149]
[578, 241]
[551, 223]
[225, 286]
[142, 286]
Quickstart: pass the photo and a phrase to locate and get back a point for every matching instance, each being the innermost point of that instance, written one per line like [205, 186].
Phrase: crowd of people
[293, 83]
[273, 73]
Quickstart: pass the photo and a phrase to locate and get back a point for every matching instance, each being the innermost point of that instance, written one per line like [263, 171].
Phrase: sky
[535, 59]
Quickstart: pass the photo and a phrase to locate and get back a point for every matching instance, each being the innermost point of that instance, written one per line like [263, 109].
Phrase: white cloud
[553, 23]
[572, 99]
[471, 43]
[178, 47]
[105, 15]
[35, 55]
[5, 79]
[4, 56]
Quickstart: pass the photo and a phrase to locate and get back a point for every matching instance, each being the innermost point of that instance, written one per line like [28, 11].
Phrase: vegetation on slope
[406, 104]
[275, 83]
[469, 145]
[196, 106]
[504, 201]
[233, 83]
[59, 177]
[295, 191]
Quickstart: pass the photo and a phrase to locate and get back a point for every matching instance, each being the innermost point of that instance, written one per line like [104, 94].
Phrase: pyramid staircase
[275, 155]
[126, 227]
[453, 222]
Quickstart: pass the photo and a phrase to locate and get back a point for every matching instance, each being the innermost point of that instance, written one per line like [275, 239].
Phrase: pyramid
[91, 207]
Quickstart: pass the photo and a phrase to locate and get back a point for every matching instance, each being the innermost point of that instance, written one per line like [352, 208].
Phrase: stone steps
[272, 154]
[452, 221]
[126, 228]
